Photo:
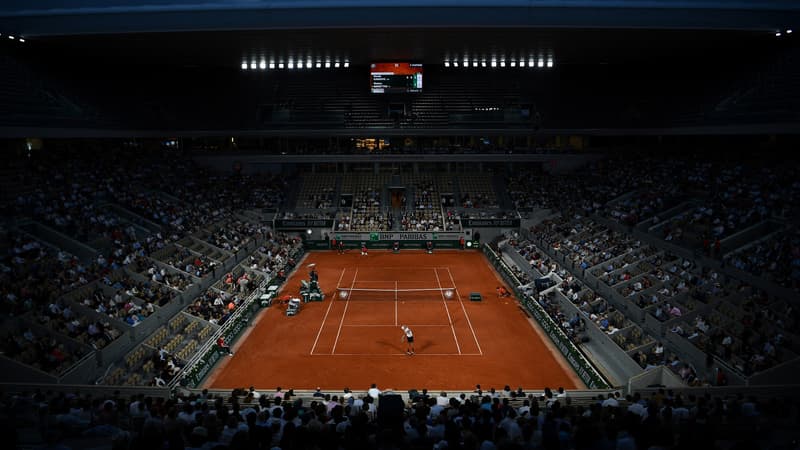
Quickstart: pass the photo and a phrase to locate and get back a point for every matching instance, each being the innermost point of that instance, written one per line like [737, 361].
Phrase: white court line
[449, 319]
[410, 325]
[322, 325]
[395, 303]
[394, 282]
[406, 268]
[344, 313]
[401, 354]
[452, 280]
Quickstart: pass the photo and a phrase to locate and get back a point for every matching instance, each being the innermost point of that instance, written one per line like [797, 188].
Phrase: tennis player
[408, 335]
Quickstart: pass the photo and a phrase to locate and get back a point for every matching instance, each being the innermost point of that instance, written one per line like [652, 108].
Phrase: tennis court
[353, 338]
[370, 303]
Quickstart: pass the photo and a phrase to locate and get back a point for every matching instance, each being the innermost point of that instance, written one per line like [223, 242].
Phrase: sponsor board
[490, 223]
[294, 224]
[392, 236]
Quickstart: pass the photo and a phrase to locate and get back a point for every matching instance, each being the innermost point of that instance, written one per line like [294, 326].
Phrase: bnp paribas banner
[399, 236]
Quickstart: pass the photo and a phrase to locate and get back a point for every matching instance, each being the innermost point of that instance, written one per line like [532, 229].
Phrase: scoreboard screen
[395, 78]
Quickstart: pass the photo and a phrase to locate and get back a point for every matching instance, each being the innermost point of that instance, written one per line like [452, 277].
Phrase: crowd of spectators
[732, 325]
[421, 220]
[94, 333]
[367, 213]
[33, 274]
[776, 258]
[452, 220]
[215, 306]
[185, 260]
[273, 260]
[427, 212]
[156, 274]
[41, 351]
[248, 419]
[234, 234]
[594, 308]
[721, 198]
[80, 197]
[157, 294]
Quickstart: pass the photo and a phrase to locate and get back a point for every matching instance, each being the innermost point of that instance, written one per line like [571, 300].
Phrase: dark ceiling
[360, 47]
[59, 18]
[228, 32]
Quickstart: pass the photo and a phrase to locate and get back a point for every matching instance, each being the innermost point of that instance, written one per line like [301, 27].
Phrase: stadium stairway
[294, 190]
[499, 186]
[398, 217]
[609, 365]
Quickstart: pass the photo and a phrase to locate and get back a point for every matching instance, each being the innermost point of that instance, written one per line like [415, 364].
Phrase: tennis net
[399, 294]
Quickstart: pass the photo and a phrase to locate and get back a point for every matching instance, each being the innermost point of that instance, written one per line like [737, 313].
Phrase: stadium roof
[56, 17]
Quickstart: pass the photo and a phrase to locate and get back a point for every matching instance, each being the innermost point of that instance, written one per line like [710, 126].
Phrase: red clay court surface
[356, 341]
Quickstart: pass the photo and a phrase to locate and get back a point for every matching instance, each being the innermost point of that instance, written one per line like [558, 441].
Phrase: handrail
[196, 363]
[585, 369]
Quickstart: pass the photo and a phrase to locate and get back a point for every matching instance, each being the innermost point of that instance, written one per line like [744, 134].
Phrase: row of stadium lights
[263, 65]
[780, 33]
[532, 63]
[11, 37]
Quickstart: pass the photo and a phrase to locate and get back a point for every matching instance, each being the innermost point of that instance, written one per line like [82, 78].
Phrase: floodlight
[777, 34]
[327, 64]
[549, 63]
[336, 64]
[244, 66]
[540, 63]
[455, 63]
[23, 40]
[262, 65]
[346, 64]
[788, 31]
[272, 65]
[290, 65]
[319, 64]
[309, 64]
[494, 63]
[502, 63]
[447, 63]
[299, 64]
[521, 63]
[513, 64]
[253, 65]
[11, 37]
[280, 66]
[466, 62]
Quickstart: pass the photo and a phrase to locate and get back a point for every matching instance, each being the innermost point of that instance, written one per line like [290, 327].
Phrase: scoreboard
[395, 78]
